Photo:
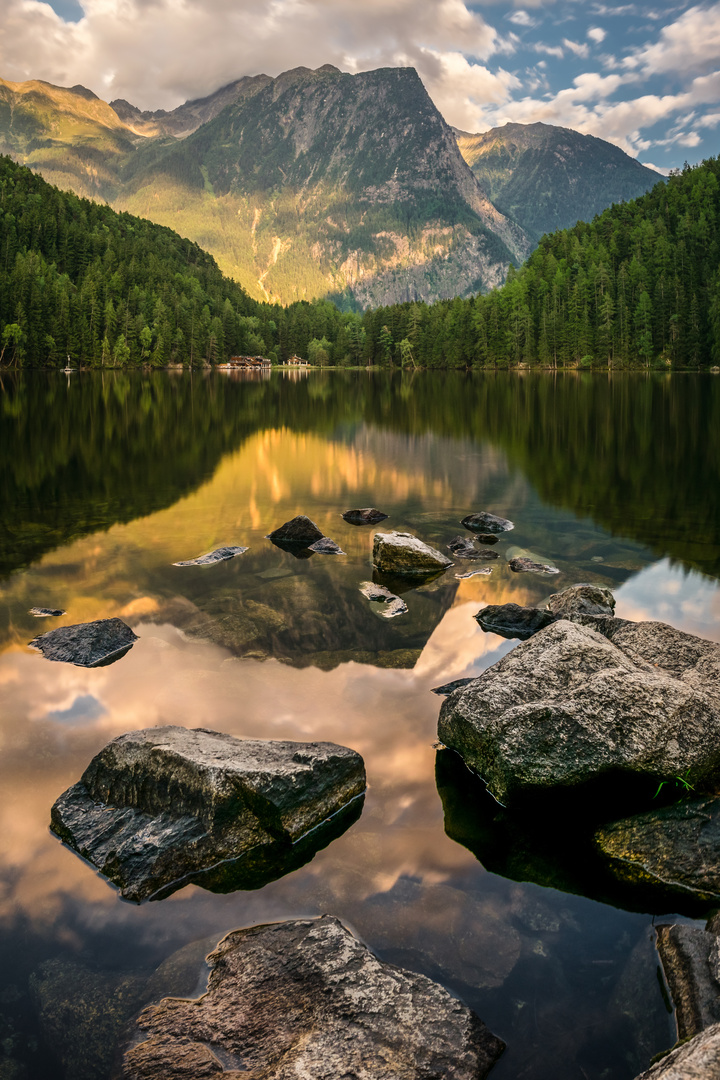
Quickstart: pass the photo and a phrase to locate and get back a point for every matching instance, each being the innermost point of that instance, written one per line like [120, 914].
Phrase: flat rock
[451, 687]
[158, 806]
[673, 848]
[513, 620]
[306, 998]
[473, 573]
[489, 523]
[299, 530]
[403, 553]
[581, 600]
[218, 555]
[368, 515]
[691, 962]
[43, 612]
[392, 605]
[572, 706]
[487, 538]
[522, 565]
[698, 1059]
[93, 644]
[326, 546]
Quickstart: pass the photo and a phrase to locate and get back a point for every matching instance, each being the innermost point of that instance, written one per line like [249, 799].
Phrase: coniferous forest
[639, 286]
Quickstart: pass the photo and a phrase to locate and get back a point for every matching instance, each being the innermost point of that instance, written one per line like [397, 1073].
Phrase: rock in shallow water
[307, 999]
[512, 620]
[581, 600]
[392, 605]
[299, 530]
[484, 522]
[570, 707]
[368, 515]
[403, 553]
[219, 555]
[93, 644]
[326, 546]
[43, 612]
[157, 806]
[522, 565]
[698, 1059]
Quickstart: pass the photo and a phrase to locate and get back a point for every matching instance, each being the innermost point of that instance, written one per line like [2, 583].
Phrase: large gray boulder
[581, 600]
[570, 707]
[698, 1059]
[307, 999]
[403, 553]
[674, 849]
[158, 806]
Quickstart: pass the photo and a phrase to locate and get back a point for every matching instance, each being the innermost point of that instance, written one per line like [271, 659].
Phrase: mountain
[549, 178]
[316, 183]
[323, 183]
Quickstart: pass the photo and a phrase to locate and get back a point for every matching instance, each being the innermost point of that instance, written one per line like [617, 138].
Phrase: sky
[646, 77]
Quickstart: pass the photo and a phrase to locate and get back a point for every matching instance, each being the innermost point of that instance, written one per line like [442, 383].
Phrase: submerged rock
[299, 530]
[403, 553]
[462, 548]
[306, 998]
[484, 522]
[570, 707]
[156, 808]
[93, 644]
[326, 546]
[487, 538]
[368, 515]
[675, 848]
[698, 1059]
[392, 605]
[512, 620]
[219, 555]
[691, 962]
[522, 565]
[42, 612]
[581, 600]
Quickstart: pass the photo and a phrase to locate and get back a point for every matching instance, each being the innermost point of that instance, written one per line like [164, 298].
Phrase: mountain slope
[319, 183]
[186, 118]
[548, 178]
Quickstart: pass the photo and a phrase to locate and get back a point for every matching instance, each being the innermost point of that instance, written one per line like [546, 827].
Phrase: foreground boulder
[569, 708]
[698, 1059]
[157, 806]
[219, 555]
[513, 621]
[403, 553]
[306, 998]
[675, 849]
[93, 644]
[486, 523]
[581, 600]
[299, 530]
[368, 515]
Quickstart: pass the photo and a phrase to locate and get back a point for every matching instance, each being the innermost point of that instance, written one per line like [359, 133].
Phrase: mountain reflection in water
[108, 482]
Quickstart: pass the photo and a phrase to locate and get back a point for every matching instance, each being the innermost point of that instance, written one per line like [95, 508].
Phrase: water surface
[107, 479]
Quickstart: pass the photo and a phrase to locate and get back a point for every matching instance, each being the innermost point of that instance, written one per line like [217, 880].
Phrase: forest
[637, 287]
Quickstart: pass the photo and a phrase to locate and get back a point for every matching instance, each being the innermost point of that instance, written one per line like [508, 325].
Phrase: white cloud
[521, 18]
[597, 34]
[579, 48]
[549, 50]
[690, 44]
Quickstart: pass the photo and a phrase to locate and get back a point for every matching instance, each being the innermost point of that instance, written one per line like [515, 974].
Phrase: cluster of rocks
[591, 714]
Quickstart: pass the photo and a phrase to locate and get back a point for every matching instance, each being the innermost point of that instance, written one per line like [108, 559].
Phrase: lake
[108, 478]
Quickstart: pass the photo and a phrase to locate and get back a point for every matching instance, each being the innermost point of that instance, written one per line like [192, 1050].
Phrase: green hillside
[549, 178]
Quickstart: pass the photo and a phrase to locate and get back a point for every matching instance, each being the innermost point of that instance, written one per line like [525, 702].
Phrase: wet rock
[474, 573]
[581, 600]
[42, 612]
[219, 555]
[93, 644]
[487, 538]
[569, 708]
[698, 1059]
[451, 687]
[299, 530]
[673, 848]
[159, 807]
[367, 516]
[522, 565]
[489, 523]
[392, 605]
[306, 998]
[512, 620]
[403, 553]
[326, 546]
[462, 548]
[691, 962]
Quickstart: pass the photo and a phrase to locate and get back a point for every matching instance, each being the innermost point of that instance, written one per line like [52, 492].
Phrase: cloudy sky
[646, 77]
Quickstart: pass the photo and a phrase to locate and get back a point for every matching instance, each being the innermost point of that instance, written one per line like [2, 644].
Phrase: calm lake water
[107, 479]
